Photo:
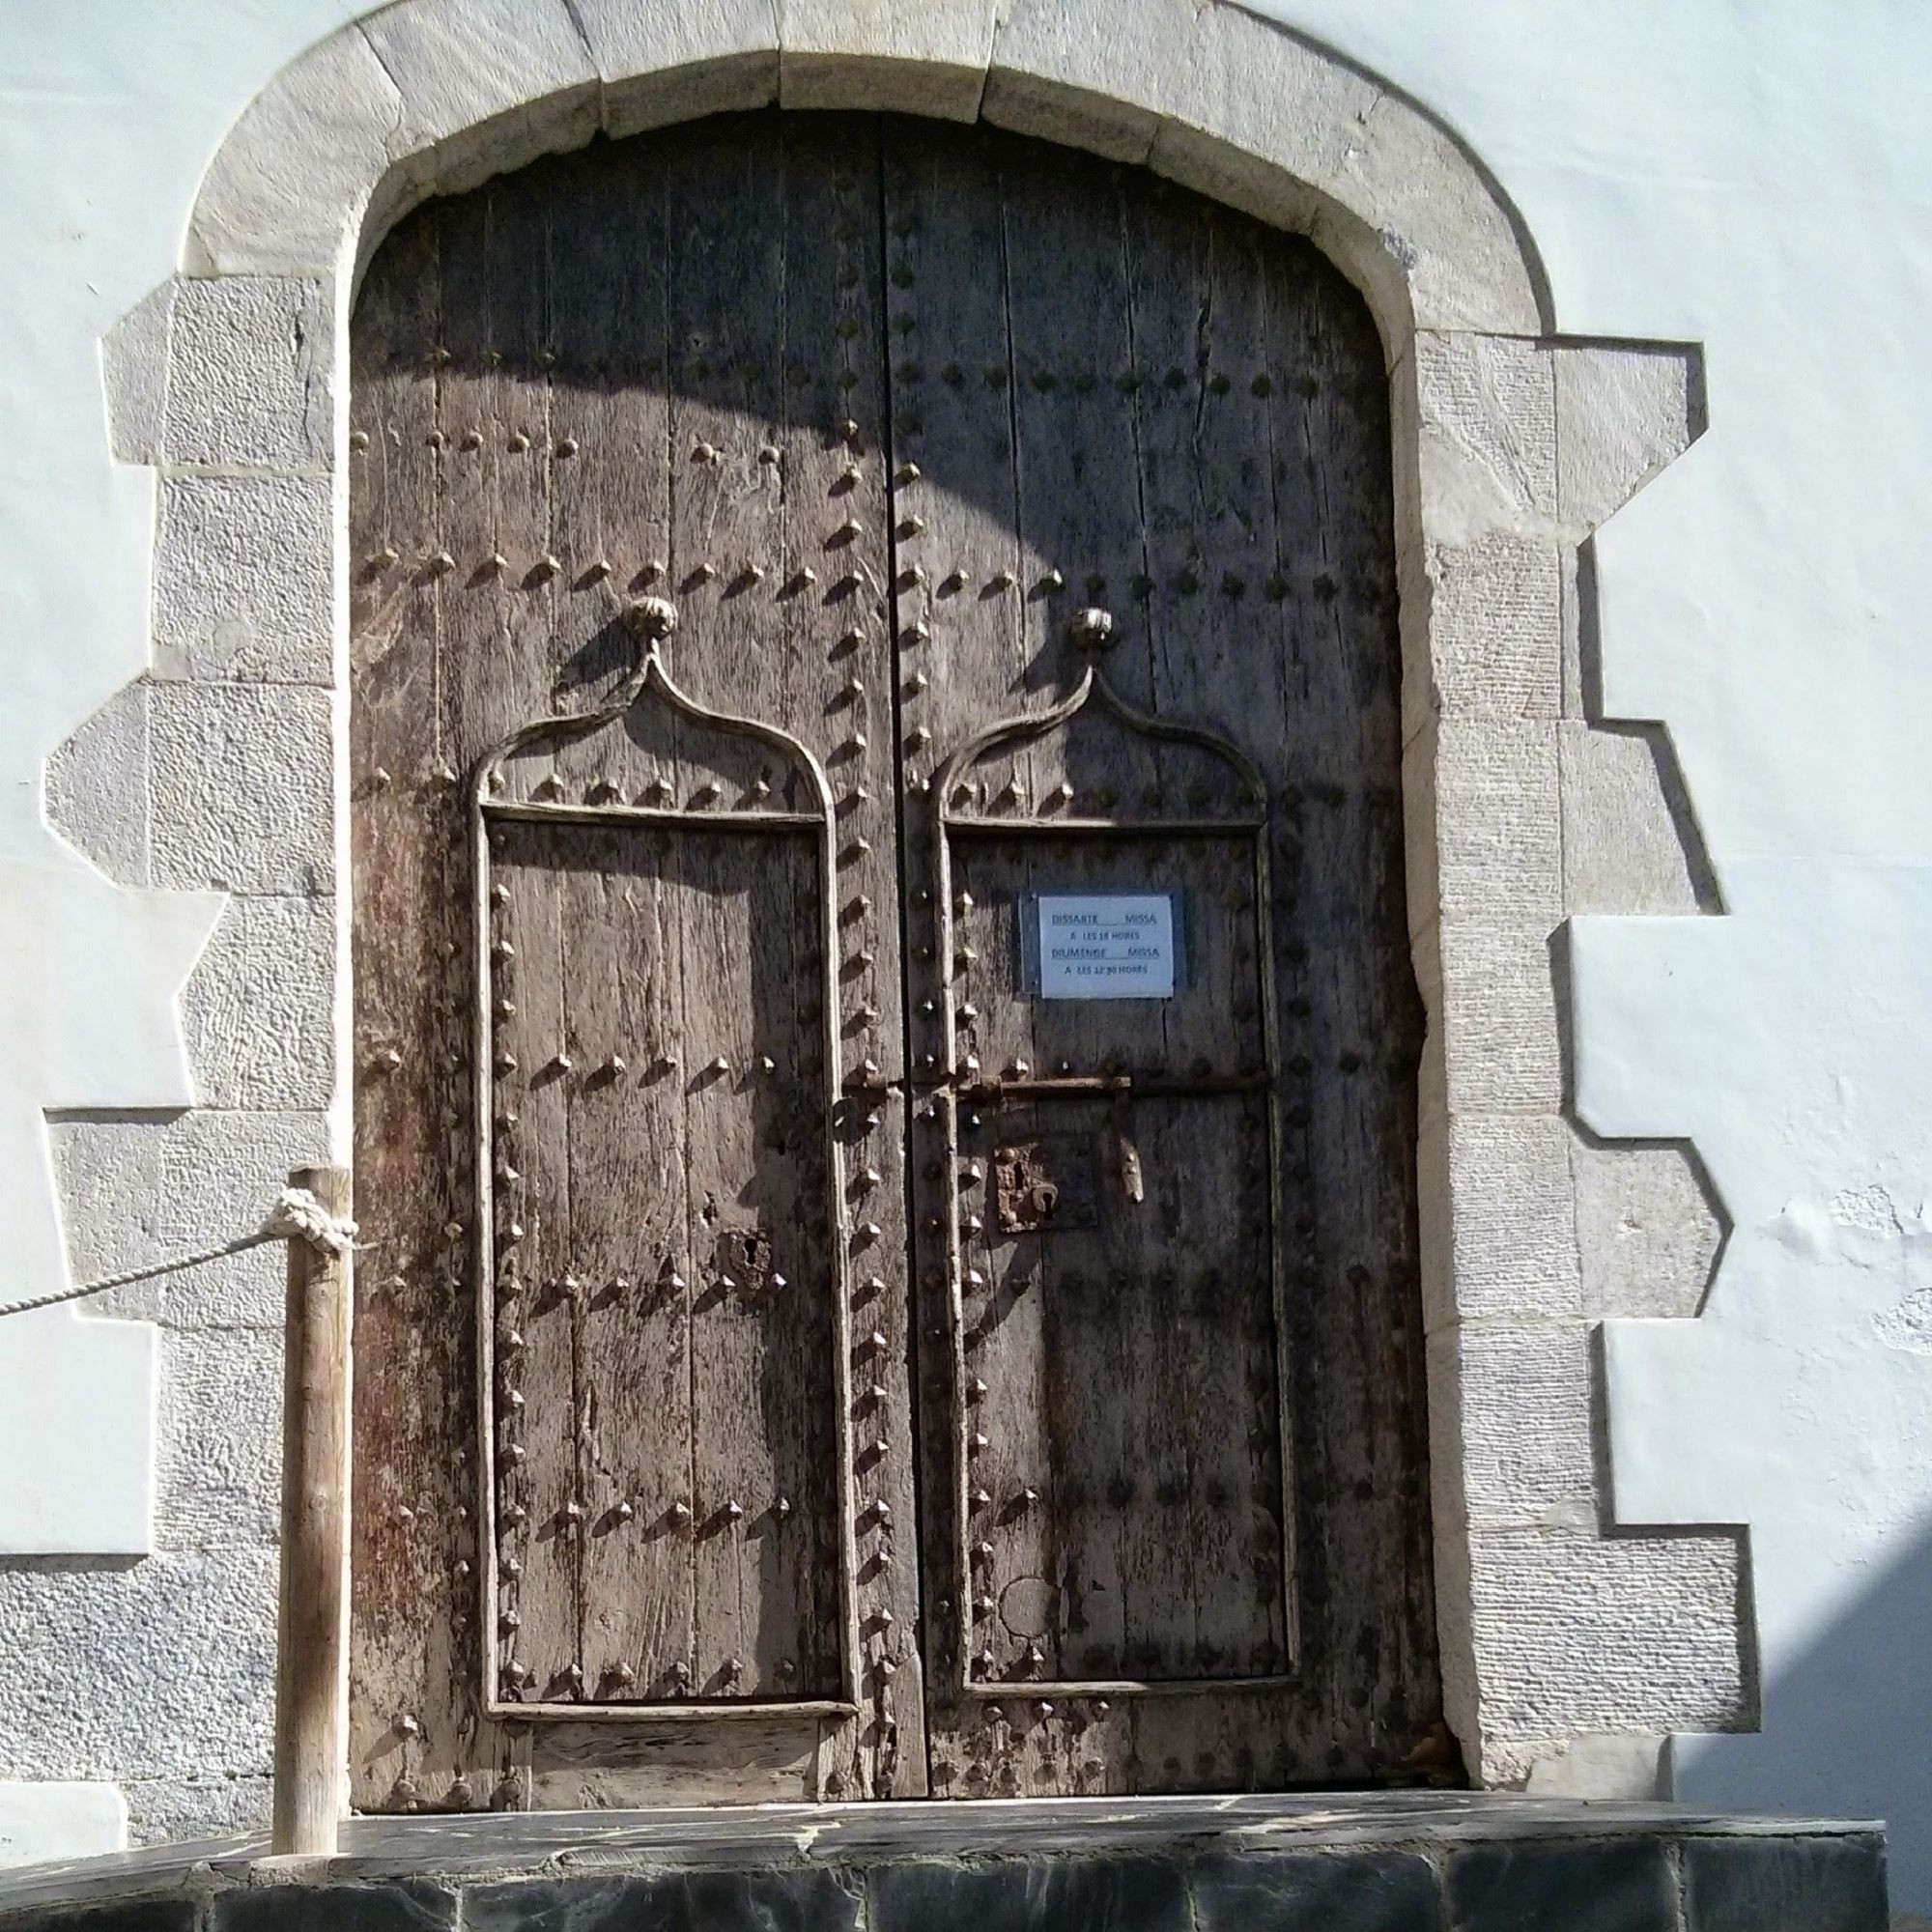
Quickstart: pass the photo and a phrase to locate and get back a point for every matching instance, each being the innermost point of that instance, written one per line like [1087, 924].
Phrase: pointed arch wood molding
[510, 1689]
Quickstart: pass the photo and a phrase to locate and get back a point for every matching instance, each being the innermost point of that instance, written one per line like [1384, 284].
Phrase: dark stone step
[1404, 1862]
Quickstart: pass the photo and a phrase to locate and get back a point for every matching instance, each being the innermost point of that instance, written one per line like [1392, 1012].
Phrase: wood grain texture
[312, 1638]
[880, 408]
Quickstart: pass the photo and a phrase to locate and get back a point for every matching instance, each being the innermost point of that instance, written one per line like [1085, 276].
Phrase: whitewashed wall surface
[1731, 1401]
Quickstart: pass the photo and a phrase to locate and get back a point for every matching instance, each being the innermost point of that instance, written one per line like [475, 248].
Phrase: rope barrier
[296, 1215]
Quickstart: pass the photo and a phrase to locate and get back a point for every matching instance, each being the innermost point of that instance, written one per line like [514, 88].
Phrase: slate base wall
[1651, 1883]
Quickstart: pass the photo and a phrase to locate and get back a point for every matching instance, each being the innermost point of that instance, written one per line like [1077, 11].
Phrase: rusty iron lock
[1042, 1185]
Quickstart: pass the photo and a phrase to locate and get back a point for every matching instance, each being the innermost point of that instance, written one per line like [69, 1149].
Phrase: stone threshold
[1397, 1862]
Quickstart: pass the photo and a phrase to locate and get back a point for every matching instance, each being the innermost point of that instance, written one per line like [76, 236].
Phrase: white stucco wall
[1753, 178]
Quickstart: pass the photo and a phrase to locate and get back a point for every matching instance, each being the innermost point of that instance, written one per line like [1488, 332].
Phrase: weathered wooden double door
[885, 1104]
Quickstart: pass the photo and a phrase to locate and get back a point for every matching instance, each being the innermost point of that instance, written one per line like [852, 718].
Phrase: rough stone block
[241, 787]
[1587, 1886]
[1494, 633]
[670, 64]
[291, 180]
[1122, 1894]
[98, 788]
[1508, 1218]
[897, 54]
[1498, 843]
[259, 1010]
[395, 1905]
[1625, 825]
[57, 1821]
[1647, 1233]
[698, 1901]
[250, 368]
[172, 1811]
[1593, 1767]
[486, 85]
[220, 1440]
[165, 1669]
[1487, 418]
[135, 376]
[1784, 1885]
[142, 1190]
[1526, 1431]
[1501, 1027]
[1623, 412]
[243, 585]
[1367, 1891]
[1655, 1616]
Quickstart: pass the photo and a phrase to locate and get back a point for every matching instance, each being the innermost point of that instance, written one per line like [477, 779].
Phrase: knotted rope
[296, 1215]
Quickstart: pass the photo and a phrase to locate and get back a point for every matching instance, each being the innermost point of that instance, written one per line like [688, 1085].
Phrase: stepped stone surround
[1401, 1862]
[1524, 807]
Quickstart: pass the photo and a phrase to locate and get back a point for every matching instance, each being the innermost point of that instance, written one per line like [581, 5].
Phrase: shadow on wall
[1847, 1728]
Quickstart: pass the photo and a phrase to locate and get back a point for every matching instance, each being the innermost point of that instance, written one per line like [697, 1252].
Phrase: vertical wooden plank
[609, 457]
[840, 698]
[1350, 996]
[726, 271]
[1214, 654]
[960, 579]
[499, 672]
[415, 1739]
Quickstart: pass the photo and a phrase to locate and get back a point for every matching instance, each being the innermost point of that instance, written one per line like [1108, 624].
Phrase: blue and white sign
[1106, 945]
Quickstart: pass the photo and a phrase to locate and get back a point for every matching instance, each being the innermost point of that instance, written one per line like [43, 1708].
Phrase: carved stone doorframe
[1514, 443]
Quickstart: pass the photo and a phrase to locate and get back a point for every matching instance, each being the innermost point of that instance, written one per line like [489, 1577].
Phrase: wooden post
[312, 1651]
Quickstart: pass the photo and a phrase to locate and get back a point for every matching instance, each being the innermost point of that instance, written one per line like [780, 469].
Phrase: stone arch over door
[1512, 445]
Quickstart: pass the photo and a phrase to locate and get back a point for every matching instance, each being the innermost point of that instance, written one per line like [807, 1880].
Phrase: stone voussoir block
[1224, 132]
[485, 85]
[259, 1010]
[674, 64]
[241, 787]
[243, 581]
[291, 180]
[1062, 70]
[1438, 214]
[250, 374]
[897, 54]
